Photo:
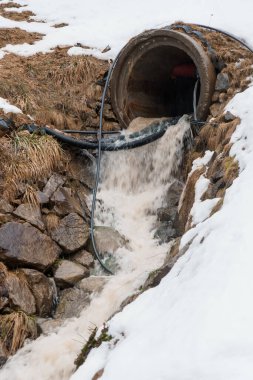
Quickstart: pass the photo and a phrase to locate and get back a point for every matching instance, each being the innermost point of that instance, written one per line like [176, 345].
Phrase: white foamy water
[134, 184]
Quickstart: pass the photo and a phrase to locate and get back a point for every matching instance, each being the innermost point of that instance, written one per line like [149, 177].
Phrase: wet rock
[23, 244]
[42, 289]
[47, 326]
[93, 284]
[72, 302]
[5, 207]
[165, 214]
[30, 213]
[71, 233]
[174, 193]
[84, 258]
[52, 185]
[165, 232]
[222, 82]
[19, 294]
[69, 273]
[3, 354]
[107, 239]
[42, 197]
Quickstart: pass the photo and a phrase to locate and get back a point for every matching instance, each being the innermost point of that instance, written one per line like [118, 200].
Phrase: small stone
[5, 207]
[69, 273]
[71, 233]
[52, 185]
[48, 325]
[215, 109]
[93, 284]
[229, 116]
[165, 214]
[66, 202]
[215, 97]
[222, 82]
[30, 213]
[22, 244]
[84, 258]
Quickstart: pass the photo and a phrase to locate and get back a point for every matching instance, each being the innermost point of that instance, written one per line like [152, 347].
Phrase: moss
[92, 342]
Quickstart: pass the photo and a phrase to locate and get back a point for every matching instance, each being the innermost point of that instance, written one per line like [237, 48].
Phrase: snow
[197, 324]
[99, 23]
[7, 107]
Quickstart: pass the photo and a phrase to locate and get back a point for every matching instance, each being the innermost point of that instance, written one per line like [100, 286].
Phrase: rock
[165, 232]
[5, 207]
[52, 185]
[30, 213]
[222, 82]
[3, 354]
[72, 302]
[19, 293]
[84, 258]
[47, 326]
[107, 239]
[66, 202]
[93, 284]
[69, 273]
[229, 116]
[23, 244]
[42, 197]
[71, 233]
[81, 169]
[215, 109]
[166, 214]
[43, 290]
[174, 193]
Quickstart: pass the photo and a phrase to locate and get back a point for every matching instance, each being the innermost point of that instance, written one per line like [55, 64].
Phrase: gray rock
[71, 233]
[69, 273]
[19, 294]
[72, 302]
[84, 258]
[42, 197]
[23, 244]
[107, 239]
[52, 185]
[222, 82]
[66, 202]
[166, 214]
[165, 232]
[30, 213]
[229, 116]
[93, 284]
[5, 207]
[3, 354]
[43, 290]
[174, 192]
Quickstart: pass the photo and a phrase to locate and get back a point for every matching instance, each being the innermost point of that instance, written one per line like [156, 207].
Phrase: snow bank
[7, 107]
[197, 324]
[99, 23]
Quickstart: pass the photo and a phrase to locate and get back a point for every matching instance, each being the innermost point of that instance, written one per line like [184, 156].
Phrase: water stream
[133, 186]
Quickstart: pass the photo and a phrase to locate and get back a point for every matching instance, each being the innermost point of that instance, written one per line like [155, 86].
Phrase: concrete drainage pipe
[155, 75]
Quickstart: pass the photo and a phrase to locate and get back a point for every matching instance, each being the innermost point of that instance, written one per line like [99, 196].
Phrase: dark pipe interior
[153, 92]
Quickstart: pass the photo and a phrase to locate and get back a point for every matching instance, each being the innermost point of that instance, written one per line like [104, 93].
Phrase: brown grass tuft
[15, 328]
[28, 157]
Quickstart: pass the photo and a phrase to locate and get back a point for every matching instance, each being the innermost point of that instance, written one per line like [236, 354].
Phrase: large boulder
[23, 244]
[71, 233]
[31, 213]
[68, 273]
[43, 290]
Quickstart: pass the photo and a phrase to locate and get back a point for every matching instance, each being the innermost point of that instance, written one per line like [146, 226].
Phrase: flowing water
[133, 186]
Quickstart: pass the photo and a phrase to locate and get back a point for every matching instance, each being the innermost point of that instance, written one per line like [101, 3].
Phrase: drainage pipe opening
[155, 75]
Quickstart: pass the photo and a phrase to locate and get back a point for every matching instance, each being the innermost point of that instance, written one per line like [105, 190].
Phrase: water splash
[133, 185]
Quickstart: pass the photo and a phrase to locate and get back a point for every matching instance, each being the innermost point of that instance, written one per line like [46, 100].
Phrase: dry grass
[17, 36]
[15, 328]
[28, 157]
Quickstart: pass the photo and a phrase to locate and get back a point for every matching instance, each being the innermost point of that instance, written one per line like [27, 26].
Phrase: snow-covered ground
[198, 323]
